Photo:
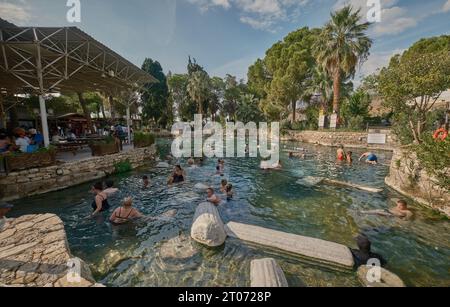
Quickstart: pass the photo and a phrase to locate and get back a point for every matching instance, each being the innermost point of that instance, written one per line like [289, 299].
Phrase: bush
[123, 167]
[434, 156]
[356, 123]
[107, 140]
[143, 139]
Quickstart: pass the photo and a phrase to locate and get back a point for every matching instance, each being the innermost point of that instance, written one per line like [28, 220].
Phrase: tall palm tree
[199, 89]
[342, 45]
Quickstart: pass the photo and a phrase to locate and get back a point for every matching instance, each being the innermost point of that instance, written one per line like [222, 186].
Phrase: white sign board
[333, 121]
[376, 138]
[321, 121]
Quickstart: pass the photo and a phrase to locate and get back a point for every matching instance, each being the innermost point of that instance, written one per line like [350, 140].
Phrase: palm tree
[321, 84]
[199, 89]
[342, 45]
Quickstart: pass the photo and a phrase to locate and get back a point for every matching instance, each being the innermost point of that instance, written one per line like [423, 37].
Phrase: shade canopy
[39, 60]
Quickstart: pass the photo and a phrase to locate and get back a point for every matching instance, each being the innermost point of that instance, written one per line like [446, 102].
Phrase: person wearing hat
[4, 209]
[36, 137]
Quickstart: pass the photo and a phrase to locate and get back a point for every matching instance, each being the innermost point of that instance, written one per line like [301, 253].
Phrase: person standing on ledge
[4, 209]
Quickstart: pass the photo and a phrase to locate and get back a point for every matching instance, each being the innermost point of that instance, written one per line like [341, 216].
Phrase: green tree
[355, 109]
[248, 110]
[199, 89]
[411, 85]
[232, 94]
[155, 95]
[342, 44]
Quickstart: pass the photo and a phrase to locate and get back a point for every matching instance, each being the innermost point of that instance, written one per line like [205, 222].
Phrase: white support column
[44, 122]
[128, 124]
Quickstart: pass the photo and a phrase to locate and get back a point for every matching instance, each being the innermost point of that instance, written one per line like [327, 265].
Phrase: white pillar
[128, 124]
[44, 121]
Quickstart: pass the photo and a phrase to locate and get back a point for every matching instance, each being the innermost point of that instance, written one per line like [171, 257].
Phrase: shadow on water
[139, 254]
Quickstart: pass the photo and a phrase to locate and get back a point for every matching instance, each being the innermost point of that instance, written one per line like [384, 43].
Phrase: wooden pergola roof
[41, 60]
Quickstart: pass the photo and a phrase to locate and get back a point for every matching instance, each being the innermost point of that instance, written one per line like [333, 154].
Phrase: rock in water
[208, 228]
[310, 181]
[178, 254]
[162, 165]
[387, 279]
[266, 273]
[111, 260]
[201, 187]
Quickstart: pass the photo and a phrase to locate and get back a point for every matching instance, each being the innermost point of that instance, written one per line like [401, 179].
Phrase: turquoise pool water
[136, 255]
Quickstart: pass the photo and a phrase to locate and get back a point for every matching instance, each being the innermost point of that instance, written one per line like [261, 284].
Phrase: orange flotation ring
[440, 134]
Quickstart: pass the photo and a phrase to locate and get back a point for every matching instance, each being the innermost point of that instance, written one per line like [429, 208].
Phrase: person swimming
[229, 191]
[145, 181]
[349, 157]
[177, 176]
[110, 189]
[125, 213]
[363, 254]
[223, 186]
[370, 157]
[401, 210]
[100, 203]
[191, 161]
[212, 197]
[341, 154]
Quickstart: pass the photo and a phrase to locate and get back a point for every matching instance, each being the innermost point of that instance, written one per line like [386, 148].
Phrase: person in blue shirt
[370, 157]
[36, 138]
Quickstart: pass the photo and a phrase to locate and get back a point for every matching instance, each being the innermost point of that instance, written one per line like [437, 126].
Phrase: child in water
[229, 191]
[223, 186]
[350, 157]
[145, 181]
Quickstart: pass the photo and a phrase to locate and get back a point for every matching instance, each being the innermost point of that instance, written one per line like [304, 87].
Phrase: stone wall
[34, 253]
[43, 180]
[336, 138]
[409, 178]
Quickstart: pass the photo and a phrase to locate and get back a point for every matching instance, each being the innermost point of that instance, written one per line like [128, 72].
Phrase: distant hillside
[6, 24]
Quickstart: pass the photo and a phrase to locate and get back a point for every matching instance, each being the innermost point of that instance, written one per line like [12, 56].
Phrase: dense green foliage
[123, 167]
[144, 138]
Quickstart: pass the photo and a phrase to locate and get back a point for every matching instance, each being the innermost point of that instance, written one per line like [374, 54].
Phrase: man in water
[363, 254]
[4, 209]
[370, 157]
[350, 157]
[401, 210]
[212, 197]
[110, 189]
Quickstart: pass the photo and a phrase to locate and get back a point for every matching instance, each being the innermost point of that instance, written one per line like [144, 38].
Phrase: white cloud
[259, 14]
[394, 19]
[15, 13]
[377, 60]
[446, 7]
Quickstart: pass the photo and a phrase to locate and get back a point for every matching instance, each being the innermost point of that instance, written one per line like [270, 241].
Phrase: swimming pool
[139, 255]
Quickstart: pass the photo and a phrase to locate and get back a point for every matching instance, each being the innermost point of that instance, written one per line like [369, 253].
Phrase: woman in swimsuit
[178, 175]
[125, 213]
[100, 203]
[341, 154]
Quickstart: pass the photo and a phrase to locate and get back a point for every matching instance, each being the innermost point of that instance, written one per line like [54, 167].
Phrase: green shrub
[356, 123]
[434, 157]
[146, 139]
[123, 167]
[107, 140]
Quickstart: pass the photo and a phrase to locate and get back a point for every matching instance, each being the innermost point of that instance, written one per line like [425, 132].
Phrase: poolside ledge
[34, 253]
[321, 251]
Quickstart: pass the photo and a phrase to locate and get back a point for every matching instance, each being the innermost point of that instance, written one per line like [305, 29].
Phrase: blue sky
[226, 36]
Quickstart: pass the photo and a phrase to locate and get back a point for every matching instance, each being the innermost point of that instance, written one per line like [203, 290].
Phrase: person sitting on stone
[125, 213]
[401, 210]
[212, 197]
[4, 210]
[110, 189]
[100, 203]
[363, 254]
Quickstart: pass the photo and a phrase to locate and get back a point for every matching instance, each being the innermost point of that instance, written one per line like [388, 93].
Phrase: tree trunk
[294, 111]
[336, 90]
[86, 112]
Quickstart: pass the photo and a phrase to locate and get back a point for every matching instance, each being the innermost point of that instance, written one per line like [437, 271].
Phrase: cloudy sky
[226, 36]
